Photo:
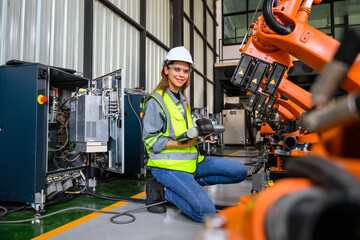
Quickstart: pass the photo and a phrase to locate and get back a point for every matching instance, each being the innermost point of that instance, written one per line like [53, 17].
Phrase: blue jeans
[185, 190]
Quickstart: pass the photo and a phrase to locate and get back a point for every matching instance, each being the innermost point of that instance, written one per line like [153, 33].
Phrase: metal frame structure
[247, 12]
[177, 36]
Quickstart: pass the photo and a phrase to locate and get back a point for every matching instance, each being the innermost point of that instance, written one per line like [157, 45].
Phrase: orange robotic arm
[299, 39]
[269, 45]
[304, 42]
[331, 175]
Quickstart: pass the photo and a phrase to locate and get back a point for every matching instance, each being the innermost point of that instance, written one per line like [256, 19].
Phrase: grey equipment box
[235, 128]
[88, 124]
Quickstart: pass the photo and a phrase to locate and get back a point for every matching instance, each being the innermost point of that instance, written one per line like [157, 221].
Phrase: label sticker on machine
[274, 79]
[72, 106]
[261, 68]
[233, 112]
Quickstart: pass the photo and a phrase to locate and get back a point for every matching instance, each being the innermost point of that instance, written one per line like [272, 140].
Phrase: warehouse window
[333, 18]
[237, 16]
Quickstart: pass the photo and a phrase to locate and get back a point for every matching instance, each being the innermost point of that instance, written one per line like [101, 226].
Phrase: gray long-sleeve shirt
[154, 121]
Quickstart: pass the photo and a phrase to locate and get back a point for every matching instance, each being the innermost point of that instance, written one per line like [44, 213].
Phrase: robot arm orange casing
[306, 43]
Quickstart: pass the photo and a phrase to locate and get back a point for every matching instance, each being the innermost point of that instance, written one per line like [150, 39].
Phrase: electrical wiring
[109, 108]
[26, 206]
[103, 104]
[63, 105]
[252, 162]
[66, 157]
[134, 200]
[113, 198]
[4, 213]
[86, 185]
[232, 156]
[139, 120]
[61, 198]
[112, 219]
[94, 91]
[256, 169]
[133, 110]
[118, 94]
[54, 161]
[67, 137]
[73, 160]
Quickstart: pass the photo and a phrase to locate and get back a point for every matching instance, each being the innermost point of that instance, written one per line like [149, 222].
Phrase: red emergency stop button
[42, 99]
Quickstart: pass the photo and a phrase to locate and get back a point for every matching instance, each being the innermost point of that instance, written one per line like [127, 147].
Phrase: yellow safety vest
[180, 159]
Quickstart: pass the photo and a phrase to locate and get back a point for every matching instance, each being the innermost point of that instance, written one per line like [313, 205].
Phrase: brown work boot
[155, 193]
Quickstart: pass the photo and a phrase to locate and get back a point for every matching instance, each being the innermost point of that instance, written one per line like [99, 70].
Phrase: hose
[112, 219]
[290, 142]
[126, 199]
[118, 214]
[4, 213]
[272, 23]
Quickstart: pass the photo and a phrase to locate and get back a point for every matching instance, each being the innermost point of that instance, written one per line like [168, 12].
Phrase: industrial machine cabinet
[134, 148]
[24, 119]
[235, 127]
[56, 126]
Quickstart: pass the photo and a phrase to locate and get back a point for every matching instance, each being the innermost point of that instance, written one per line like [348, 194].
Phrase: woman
[178, 168]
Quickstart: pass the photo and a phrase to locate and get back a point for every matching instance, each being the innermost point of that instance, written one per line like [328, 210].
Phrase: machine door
[23, 124]
[234, 123]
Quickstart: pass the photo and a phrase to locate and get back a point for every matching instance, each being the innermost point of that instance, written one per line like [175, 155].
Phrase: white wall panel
[210, 29]
[199, 15]
[187, 92]
[154, 57]
[210, 97]
[130, 7]
[187, 7]
[186, 34]
[198, 91]
[231, 52]
[198, 52]
[49, 32]
[158, 19]
[210, 4]
[210, 64]
[115, 45]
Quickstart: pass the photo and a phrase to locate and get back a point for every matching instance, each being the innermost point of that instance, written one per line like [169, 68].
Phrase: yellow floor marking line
[233, 153]
[86, 218]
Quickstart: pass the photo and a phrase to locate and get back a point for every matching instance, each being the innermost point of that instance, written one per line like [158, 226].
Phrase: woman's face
[178, 73]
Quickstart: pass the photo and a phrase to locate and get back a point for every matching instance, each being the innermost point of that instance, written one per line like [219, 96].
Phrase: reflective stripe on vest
[181, 159]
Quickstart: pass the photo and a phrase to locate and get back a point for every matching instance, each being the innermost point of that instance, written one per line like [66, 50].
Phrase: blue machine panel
[23, 139]
[134, 150]
[24, 127]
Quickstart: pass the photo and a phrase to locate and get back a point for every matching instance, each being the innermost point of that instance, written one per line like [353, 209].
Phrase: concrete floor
[172, 225]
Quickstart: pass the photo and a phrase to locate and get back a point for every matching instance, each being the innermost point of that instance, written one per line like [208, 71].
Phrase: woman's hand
[209, 141]
[190, 143]
[195, 141]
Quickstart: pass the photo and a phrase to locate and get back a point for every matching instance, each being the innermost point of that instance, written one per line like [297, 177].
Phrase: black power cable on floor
[136, 200]
[86, 193]
[257, 168]
[233, 156]
[251, 162]
[112, 219]
[113, 198]
[5, 211]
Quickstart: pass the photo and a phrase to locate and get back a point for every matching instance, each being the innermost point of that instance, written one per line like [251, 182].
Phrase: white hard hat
[178, 54]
